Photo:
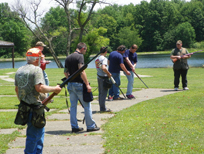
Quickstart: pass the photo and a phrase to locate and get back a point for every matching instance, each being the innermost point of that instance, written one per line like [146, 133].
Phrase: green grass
[5, 139]
[169, 124]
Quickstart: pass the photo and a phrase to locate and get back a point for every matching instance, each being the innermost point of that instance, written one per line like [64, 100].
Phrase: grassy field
[169, 124]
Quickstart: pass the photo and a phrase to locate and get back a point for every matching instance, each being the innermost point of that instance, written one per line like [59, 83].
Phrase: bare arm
[130, 64]
[16, 89]
[175, 57]
[46, 89]
[104, 68]
[84, 78]
[124, 69]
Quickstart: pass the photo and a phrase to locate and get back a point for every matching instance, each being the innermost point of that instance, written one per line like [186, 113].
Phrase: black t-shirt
[72, 64]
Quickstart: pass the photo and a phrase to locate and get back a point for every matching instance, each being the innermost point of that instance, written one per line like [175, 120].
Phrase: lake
[144, 61]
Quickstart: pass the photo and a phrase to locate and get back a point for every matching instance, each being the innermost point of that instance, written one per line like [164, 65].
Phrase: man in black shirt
[72, 63]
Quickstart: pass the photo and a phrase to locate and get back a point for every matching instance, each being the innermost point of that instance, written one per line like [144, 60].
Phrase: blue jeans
[35, 138]
[114, 91]
[46, 80]
[76, 93]
[130, 82]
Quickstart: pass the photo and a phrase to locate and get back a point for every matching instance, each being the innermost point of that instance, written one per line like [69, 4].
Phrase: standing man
[102, 75]
[180, 66]
[40, 46]
[130, 59]
[72, 63]
[29, 83]
[116, 63]
[43, 62]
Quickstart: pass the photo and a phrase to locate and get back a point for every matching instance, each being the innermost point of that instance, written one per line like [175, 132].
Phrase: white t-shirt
[101, 60]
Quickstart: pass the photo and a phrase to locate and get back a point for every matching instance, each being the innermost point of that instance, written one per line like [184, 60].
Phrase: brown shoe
[119, 98]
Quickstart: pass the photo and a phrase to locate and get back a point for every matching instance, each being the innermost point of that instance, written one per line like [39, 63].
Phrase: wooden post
[13, 57]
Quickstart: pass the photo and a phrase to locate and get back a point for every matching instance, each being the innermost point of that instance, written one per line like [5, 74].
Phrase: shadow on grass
[169, 90]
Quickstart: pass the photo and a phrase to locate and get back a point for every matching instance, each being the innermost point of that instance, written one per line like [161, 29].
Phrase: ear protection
[121, 49]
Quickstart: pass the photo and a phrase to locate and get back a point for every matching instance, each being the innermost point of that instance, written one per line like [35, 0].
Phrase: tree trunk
[58, 62]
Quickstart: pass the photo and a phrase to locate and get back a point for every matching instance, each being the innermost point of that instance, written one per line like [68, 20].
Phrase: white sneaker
[185, 88]
[175, 89]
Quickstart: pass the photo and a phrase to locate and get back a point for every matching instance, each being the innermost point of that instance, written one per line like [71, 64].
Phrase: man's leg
[74, 101]
[130, 82]
[177, 74]
[34, 139]
[90, 123]
[102, 94]
[116, 90]
[184, 78]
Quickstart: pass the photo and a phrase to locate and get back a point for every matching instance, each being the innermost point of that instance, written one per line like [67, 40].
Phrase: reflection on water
[144, 61]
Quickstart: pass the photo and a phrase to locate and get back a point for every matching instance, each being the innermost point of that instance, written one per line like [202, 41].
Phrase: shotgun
[175, 59]
[69, 79]
[140, 78]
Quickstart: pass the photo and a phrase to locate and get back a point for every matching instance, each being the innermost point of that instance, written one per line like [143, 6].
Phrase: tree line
[153, 26]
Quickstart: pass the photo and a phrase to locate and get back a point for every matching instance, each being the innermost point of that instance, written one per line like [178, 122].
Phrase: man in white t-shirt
[102, 75]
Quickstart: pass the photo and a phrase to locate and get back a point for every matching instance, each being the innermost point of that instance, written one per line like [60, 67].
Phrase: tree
[108, 22]
[184, 32]
[94, 41]
[31, 15]
[13, 30]
[129, 37]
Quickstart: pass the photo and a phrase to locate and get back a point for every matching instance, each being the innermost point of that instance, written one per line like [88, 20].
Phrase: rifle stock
[73, 76]
[175, 59]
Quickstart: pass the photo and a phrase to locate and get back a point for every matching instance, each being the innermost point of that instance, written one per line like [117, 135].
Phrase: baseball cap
[179, 42]
[34, 52]
[39, 43]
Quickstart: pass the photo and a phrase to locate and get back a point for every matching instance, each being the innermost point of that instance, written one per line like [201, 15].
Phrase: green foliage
[110, 24]
[56, 25]
[184, 32]
[13, 30]
[94, 41]
[198, 45]
[129, 37]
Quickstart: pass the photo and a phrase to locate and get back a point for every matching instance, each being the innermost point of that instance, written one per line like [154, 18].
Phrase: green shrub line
[168, 124]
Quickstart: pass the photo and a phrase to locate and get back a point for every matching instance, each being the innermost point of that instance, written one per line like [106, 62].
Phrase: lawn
[169, 124]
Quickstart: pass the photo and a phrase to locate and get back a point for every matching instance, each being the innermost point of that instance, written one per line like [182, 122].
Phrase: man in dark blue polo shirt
[116, 63]
[130, 61]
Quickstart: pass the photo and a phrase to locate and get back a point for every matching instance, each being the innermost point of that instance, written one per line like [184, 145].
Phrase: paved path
[60, 140]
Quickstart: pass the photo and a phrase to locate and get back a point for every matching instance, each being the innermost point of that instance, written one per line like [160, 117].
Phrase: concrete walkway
[60, 140]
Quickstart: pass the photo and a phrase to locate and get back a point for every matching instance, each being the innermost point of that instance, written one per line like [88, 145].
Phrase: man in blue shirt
[130, 61]
[116, 63]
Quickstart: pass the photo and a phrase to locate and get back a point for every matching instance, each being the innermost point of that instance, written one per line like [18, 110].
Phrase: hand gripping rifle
[175, 59]
[73, 76]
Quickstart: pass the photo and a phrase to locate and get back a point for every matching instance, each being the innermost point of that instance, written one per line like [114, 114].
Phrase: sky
[46, 4]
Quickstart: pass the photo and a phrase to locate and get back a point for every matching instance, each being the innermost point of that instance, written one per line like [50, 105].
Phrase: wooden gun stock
[175, 59]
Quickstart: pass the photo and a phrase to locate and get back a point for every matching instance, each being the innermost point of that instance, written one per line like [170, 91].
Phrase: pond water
[144, 61]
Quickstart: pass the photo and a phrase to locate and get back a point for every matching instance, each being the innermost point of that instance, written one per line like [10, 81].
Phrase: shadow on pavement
[59, 132]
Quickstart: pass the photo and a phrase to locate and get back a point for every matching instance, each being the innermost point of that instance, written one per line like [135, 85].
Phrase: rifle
[140, 79]
[116, 85]
[73, 76]
[175, 59]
